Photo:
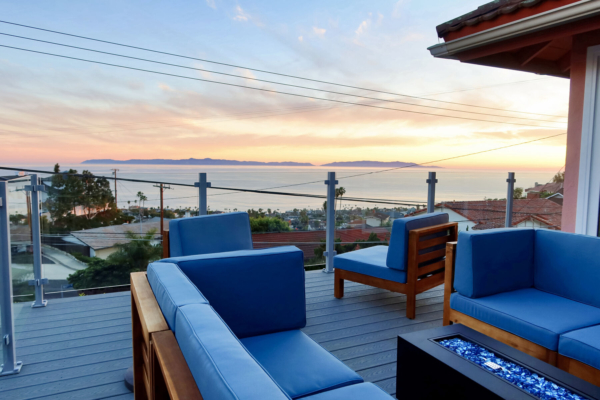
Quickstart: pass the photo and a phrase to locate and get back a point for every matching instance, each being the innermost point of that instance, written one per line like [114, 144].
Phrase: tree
[67, 192]
[17, 219]
[133, 256]
[268, 224]
[518, 193]
[559, 177]
[339, 193]
[304, 217]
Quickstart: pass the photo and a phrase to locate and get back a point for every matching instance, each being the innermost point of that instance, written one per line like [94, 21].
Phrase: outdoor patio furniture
[231, 330]
[462, 363]
[205, 234]
[413, 262]
[534, 289]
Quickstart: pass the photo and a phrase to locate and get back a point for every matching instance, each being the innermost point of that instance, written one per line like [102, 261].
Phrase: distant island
[212, 161]
[196, 161]
[377, 164]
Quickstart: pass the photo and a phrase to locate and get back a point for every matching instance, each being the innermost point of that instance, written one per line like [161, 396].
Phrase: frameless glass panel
[20, 215]
[90, 245]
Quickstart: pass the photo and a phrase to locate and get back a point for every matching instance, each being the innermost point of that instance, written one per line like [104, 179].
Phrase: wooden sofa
[562, 242]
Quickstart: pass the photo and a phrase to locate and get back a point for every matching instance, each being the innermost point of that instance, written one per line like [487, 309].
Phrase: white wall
[463, 223]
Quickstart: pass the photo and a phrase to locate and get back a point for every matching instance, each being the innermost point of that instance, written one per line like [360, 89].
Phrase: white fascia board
[545, 20]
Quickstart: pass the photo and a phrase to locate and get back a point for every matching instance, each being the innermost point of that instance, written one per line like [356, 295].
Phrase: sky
[63, 110]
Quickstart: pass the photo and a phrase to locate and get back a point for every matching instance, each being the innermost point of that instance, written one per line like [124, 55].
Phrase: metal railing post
[510, 199]
[431, 192]
[36, 237]
[10, 364]
[202, 185]
[330, 232]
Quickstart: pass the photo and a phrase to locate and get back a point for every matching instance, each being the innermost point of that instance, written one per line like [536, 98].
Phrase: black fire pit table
[456, 362]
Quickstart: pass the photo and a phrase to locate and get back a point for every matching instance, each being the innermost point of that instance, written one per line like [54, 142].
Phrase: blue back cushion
[254, 291]
[397, 257]
[568, 265]
[172, 289]
[494, 261]
[221, 366]
[210, 234]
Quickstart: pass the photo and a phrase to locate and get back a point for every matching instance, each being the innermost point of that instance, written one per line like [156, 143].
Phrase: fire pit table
[457, 362]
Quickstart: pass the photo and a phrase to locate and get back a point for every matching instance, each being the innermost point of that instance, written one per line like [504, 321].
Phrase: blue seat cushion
[298, 364]
[397, 257]
[361, 391]
[534, 315]
[371, 262]
[221, 366]
[205, 234]
[494, 261]
[568, 265]
[254, 291]
[172, 289]
[582, 345]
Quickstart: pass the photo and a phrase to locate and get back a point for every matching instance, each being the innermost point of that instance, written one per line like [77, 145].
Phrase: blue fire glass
[516, 374]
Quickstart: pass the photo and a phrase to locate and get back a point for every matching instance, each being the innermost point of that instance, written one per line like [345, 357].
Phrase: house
[488, 214]
[559, 38]
[537, 189]
[376, 219]
[102, 242]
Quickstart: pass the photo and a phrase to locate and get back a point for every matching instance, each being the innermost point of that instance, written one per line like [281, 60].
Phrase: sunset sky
[67, 111]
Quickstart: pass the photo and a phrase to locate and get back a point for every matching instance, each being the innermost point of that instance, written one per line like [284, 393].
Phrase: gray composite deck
[79, 348]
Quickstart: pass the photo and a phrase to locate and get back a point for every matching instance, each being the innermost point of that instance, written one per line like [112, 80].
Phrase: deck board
[79, 348]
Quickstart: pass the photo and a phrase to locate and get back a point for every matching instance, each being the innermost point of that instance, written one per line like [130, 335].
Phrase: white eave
[545, 20]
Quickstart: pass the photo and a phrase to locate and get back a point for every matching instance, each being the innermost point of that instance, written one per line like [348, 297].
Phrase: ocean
[408, 184]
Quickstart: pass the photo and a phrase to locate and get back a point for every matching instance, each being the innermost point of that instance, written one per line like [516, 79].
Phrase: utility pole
[114, 170]
[162, 213]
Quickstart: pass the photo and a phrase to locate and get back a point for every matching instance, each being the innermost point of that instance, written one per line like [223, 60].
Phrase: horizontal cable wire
[274, 91]
[271, 72]
[281, 83]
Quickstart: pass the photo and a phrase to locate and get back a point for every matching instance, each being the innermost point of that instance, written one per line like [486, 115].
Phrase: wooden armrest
[172, 371]
[449, 278]
[148, 310]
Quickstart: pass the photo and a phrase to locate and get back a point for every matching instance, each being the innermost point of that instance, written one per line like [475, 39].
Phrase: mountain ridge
[223, 162]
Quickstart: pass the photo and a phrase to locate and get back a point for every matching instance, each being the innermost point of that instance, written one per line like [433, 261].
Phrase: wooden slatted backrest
[422, 262]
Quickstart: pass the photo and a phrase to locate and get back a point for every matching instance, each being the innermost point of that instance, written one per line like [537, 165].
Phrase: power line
[414, 164]
[254, 69]
[278, 83]
[274, 91]
[453, 158]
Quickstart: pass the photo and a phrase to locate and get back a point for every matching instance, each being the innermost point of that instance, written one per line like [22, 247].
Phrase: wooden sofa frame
[160, 371]
[421, 275]
[451, 316]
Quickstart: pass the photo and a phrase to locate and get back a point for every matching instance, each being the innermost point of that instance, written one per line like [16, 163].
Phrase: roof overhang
[546, 20]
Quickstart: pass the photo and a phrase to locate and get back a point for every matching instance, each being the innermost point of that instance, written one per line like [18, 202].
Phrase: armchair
[412, 264]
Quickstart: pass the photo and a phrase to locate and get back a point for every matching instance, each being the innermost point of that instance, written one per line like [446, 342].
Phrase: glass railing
[95, 231]
[19, 203]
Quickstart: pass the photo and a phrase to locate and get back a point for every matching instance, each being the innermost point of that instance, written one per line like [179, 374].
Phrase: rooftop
[109, 236]
[495, 13]
[80, 347]
[489, 214]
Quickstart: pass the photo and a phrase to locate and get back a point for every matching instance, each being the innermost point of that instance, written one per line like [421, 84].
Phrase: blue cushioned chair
[534, 289]
[411, 264]
[207, 234]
